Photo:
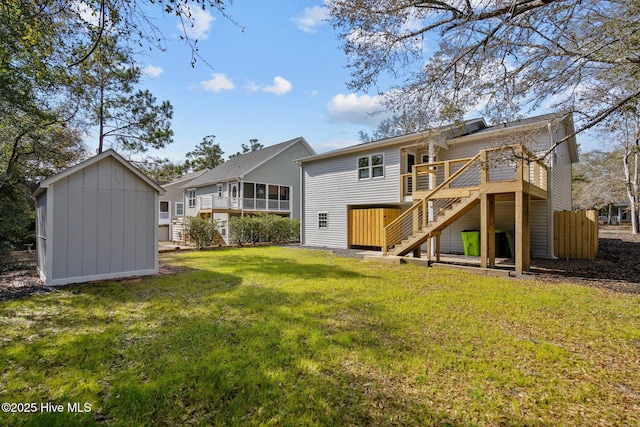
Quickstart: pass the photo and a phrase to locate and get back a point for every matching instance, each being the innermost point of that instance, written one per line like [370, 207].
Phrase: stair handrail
[417, 206]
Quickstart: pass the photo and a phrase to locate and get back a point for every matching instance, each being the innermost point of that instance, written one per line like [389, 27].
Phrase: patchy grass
[277, 336]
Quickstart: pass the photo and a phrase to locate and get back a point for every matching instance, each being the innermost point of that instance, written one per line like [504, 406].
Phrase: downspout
[301, 204]
[550, 195]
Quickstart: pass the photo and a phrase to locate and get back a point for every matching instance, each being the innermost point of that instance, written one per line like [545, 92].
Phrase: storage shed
[97, 221]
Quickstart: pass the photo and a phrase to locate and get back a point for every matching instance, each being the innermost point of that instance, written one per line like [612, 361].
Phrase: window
[377, 165]
[371, 166]
[363, 168]
[191, 198]
[323, 220]
[284, 193]
[179, 208]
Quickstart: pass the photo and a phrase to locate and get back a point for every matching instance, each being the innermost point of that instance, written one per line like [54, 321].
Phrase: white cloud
[252, 87]
[356, 109]
[334, 144]
[195, 22]
[311, 18]
[152, 71]
[280, 86]
[218, 83]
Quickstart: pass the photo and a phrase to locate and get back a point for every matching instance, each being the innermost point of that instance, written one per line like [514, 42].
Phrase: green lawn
[280, 336]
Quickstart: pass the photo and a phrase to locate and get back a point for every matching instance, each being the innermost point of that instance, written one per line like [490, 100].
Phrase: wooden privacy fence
[575, 234]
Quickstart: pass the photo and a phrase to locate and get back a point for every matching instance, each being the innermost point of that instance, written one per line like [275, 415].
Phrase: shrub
[201, 231]
[263, 228]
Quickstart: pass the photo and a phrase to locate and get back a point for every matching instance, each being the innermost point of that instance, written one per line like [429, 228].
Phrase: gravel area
[617, 267]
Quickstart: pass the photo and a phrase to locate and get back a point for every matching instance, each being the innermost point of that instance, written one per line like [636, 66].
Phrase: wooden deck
[442, 192]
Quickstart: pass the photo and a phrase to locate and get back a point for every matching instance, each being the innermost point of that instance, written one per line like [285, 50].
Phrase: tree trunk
[632, 189]
[101, 119]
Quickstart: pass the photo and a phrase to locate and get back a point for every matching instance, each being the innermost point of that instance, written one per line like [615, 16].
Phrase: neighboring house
[266, 180]
[172, 205]
[97, 221]
[617, 213]
[438, 183]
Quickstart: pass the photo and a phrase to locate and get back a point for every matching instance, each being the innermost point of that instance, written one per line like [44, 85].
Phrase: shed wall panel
[89, 254]
[105, 209]
[128, 241]
[117, 235]
[60, 230]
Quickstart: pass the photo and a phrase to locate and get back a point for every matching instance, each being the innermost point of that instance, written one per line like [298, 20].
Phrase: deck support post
[436, 236]
[523, 233]
[487, 230]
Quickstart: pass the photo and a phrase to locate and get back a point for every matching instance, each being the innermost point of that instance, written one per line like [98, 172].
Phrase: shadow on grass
[270, 357]
[241, 262]
[210, 348]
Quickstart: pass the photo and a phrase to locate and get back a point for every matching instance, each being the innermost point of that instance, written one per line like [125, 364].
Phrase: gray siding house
[266, 180]
[97, 220]
[172, 206]
[342, 187]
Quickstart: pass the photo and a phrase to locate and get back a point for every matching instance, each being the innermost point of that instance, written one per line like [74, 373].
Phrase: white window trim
[176, 208]
[370, 167]
[189, 199]
[325, 220]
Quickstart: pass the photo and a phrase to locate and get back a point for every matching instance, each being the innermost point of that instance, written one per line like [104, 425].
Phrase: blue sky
[284, 76]
[279, 74]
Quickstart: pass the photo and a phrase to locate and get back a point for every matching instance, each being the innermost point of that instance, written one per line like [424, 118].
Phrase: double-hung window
[179, 208]
[371, 166]
[191, 198]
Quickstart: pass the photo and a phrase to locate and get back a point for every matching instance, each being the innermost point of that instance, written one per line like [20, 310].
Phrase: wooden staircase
[513, 173]
[454, 197]
[445, 218]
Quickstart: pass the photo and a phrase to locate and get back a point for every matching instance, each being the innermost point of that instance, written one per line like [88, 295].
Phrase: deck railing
[418, 217]
[495, 170]
[207, 202]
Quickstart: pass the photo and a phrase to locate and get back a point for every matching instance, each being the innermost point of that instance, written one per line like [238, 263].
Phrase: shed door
[365, 225]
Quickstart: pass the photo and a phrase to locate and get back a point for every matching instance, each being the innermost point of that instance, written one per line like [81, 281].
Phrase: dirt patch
[22, 279]
[616, 268]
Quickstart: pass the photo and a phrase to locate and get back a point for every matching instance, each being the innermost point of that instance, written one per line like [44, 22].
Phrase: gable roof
[107, 153]
[186, 177]
[469, 130]
[530, 123]
[237, 167]
[440, 135]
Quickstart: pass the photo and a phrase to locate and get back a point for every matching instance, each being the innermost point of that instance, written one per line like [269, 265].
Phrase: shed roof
[237, 167]
[107, 153]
